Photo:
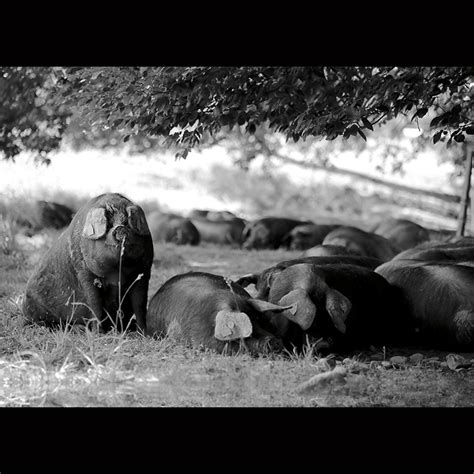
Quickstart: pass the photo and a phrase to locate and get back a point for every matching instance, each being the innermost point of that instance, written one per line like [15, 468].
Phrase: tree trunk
[465, 192]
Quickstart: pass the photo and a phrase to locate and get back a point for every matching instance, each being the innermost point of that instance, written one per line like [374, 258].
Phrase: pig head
[316, 308]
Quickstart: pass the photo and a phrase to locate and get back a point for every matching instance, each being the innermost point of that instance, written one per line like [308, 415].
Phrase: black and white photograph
[236, 236]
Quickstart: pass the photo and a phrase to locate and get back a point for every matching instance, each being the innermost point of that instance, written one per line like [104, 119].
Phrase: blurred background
[395, 172]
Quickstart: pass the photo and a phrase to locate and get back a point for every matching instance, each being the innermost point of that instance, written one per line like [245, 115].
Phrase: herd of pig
[398, 285]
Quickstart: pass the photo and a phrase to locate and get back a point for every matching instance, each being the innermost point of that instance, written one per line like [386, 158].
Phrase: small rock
[416, 358]
[337, 375]
[432, 361]
[457, 362]
[398, 360]
[443, 364]
[386, 364]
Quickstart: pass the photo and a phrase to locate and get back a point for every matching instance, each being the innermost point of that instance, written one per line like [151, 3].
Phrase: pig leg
[138, 297]
[93, 299]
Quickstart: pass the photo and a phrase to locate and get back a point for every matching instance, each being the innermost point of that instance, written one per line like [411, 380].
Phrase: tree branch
[332, 169]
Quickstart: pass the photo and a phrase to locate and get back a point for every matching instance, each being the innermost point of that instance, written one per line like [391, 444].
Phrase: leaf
[354, 129]
[469, 130]
[459, 137]
[182, 154]
[362, 134]
[126, 138]
[437, 136]
[241, 119]
[348, 131]
[251, 108]
[436, 121]
[225, 119]
[367, 124]
[422, 112]
[456, 109]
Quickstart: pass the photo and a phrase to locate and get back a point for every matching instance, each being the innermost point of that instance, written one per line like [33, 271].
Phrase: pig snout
[120, 233]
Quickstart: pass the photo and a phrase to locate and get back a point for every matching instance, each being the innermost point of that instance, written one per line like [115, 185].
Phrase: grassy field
[75, 367]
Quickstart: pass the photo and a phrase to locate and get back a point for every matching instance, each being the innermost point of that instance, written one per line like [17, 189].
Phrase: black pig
[208, 310]
[346, 306]
[83, 274]
[264, 279]
[439, 301]
[165, 227]
[402, 233]
[269, 232]
[363, 243]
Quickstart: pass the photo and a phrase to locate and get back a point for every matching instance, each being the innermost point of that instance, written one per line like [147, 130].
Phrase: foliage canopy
[29, 119]
[186, 105]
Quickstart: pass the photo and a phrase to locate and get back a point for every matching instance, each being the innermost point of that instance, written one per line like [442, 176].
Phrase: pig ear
[302, 311]
[137, 220]
[264, 306]
[247, 280]
[232, 325]
[95, 225]
[338, 307]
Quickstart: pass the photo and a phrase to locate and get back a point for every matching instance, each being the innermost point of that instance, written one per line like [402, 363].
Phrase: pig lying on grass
[211, 311]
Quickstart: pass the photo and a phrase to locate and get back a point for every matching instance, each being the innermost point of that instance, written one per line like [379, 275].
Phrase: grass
[75, 366]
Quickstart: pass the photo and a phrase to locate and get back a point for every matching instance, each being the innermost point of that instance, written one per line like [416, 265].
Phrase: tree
[189, 106]
[185, 103]
[28, 118]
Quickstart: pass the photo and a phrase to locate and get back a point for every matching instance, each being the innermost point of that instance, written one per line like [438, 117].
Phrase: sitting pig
[104, 256]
